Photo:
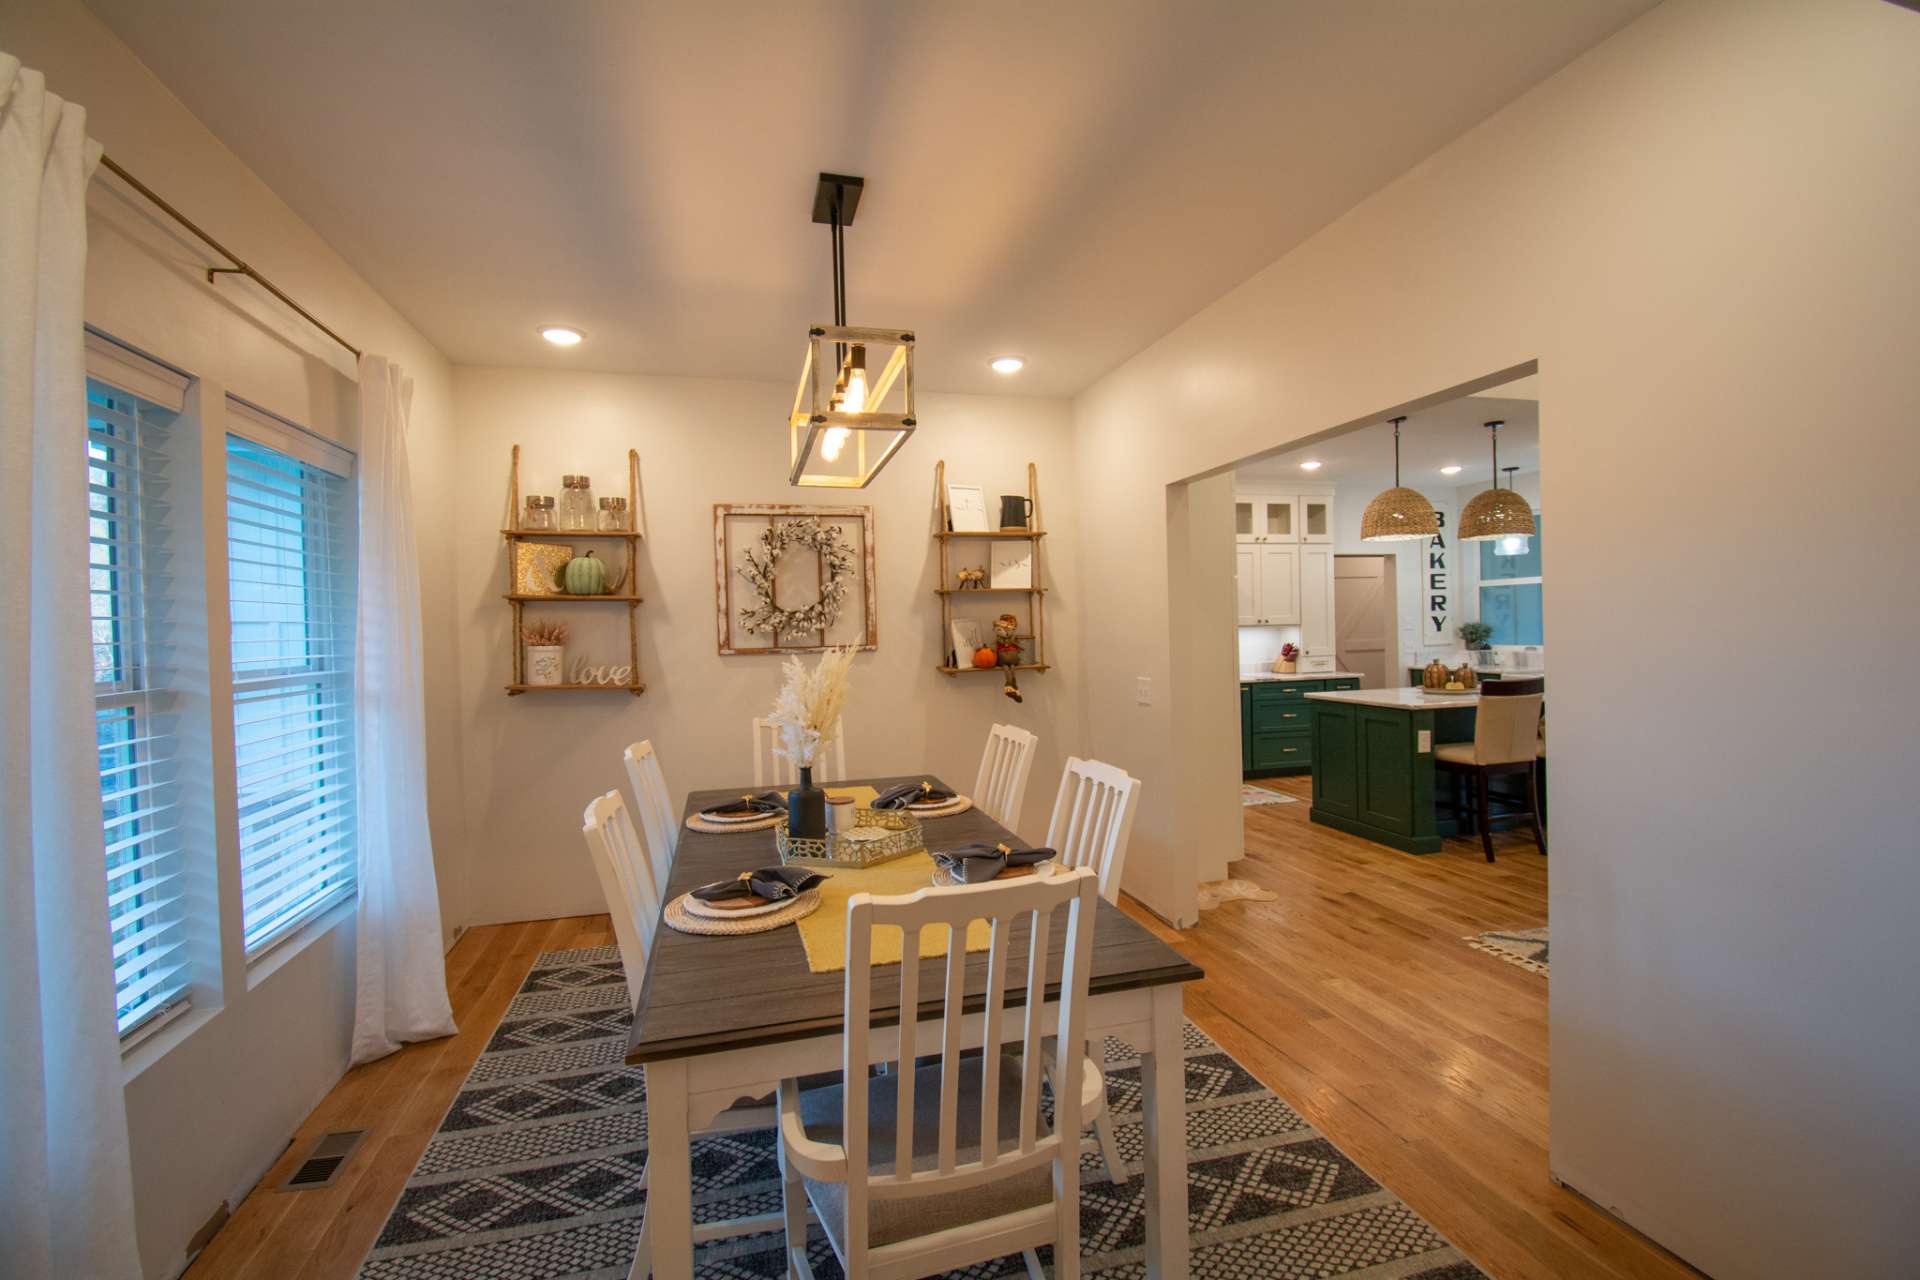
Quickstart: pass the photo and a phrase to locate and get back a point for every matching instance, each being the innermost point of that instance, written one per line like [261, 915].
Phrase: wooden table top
[704, 994]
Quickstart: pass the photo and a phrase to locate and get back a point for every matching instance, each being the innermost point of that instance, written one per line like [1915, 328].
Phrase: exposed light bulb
[1008, 364]
[1310, 465]
[1513, 544]
[854, 399]
[1450, 471]
[562, 336]
[833, 442]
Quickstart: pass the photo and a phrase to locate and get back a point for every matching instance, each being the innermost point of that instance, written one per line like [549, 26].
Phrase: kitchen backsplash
[1259, 646]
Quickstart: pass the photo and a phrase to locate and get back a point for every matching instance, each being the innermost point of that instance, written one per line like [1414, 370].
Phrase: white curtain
[402, 987]
[66, 1193]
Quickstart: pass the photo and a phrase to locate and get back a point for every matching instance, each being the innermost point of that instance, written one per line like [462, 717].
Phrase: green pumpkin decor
[585, 576]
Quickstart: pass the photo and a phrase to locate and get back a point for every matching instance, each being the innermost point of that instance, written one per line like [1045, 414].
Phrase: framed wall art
[790, 578]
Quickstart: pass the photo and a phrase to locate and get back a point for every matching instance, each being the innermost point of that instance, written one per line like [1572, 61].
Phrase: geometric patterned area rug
[1523, 948]
[535, 1170]
[1251, 795]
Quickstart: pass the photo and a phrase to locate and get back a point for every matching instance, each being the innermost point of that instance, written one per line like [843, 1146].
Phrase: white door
[1246, 585]
[1279, 576]
[1316, 606]
[1363, 631]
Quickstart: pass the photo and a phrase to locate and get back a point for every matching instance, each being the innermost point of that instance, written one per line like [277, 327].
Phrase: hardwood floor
[1352, 996]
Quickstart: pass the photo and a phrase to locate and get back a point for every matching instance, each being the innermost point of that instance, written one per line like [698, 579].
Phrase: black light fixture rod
[1396, 450]
[1493, 431]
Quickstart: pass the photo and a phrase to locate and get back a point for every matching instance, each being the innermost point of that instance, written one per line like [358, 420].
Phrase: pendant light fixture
[1511, 544]
[838, 436]
[1495, 512]
[1398, 514]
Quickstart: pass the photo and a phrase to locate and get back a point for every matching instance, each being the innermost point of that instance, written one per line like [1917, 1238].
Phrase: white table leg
[1163, 1080]
[669, 1171]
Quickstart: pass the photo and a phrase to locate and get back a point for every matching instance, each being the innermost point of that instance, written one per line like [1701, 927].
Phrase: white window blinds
[135, 710]
[290, 565]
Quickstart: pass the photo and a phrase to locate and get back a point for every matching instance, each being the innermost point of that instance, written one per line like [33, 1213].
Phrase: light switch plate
[1143, 691]
[1426, 741]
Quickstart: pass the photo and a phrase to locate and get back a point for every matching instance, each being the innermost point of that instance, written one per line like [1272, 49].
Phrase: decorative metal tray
[876, 836]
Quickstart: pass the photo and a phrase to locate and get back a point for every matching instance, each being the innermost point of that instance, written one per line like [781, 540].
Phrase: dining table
[722, 1019]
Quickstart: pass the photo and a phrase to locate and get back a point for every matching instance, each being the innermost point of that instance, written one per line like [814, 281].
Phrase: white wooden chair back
[626, 878]
[1001, 905]
[655, 806]
[1093, 820]
[770, 770]
[1001, 788]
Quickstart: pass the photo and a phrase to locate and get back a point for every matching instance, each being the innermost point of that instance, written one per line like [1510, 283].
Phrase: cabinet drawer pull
[1289, 750]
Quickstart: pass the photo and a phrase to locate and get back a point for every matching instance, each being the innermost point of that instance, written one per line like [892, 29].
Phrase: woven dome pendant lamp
[1495, 512]
[1398, 514]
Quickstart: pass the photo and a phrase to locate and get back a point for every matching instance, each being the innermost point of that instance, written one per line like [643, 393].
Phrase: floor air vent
[324, 1162]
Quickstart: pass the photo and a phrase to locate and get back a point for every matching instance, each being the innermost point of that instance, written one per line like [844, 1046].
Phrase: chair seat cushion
[893, 1219]
[1454, 753]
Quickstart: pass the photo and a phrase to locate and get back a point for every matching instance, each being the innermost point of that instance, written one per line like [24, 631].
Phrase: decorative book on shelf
[536, 556]
[998, 565]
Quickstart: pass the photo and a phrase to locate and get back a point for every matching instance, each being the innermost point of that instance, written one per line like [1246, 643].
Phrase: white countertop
[1405, 699]
[1268, 676]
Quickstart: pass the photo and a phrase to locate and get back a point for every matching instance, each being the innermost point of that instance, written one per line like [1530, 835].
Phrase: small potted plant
[1475, 635]
[546, 652]
[1289, 659]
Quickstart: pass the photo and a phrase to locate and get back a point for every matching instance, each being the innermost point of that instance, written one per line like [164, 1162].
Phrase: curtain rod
[238, 268]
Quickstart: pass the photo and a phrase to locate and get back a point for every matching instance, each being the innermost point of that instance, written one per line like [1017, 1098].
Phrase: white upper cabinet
[1316, 520]
[1261, 518]
[1277, 571]
[1316, 604]
[1246, 585]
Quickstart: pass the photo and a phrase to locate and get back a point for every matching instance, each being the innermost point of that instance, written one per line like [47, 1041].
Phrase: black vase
[807, 809]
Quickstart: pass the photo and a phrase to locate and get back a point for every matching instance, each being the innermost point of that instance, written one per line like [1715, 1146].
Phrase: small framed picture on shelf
[1011, 566]
[967, 639]
[967, 508]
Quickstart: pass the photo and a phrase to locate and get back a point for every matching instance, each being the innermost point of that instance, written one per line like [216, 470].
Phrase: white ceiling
[1449, 434]
[1066, 180]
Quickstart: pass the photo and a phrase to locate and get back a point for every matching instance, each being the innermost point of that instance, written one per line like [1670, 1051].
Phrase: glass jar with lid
[613, 515]
[539, 513]
[576, 506]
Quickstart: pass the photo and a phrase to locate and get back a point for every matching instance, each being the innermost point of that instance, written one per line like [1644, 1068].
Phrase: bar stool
[1506, 740]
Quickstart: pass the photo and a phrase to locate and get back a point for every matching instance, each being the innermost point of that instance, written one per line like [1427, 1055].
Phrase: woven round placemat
[959, 804]
[678, 917]
[697, 823]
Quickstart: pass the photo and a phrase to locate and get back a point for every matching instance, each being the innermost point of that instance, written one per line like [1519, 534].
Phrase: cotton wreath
[759, 565]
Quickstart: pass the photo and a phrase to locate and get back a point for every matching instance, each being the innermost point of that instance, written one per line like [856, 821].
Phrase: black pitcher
[807, 808]
[1014, 510]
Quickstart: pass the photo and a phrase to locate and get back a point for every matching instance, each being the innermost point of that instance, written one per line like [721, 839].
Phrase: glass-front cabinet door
[1316, 519]
[1259, 518]
[1243, 519]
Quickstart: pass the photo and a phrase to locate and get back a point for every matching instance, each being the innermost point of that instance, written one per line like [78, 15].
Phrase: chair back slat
[1001, 788]
[1035, 899]
[654, 805]
[774, 770]
[626, 880]
[1093, 820]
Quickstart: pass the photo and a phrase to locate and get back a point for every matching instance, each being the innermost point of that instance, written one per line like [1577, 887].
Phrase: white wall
[1712, 213]
[213, 1098]
[532, 762]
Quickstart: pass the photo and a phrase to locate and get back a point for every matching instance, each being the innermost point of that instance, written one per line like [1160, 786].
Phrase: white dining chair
[1001, 788]
[1093, 820]
[633, 900]
[946, 1163]
[654, 805]
[771, 770]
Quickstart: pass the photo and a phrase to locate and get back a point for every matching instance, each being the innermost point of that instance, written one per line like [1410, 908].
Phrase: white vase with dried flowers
[805, 718]
[546, 652]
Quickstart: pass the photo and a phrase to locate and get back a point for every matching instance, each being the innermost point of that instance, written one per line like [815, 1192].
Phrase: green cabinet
[1276, 722]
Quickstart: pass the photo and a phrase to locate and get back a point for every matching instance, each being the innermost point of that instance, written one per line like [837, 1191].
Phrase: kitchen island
[1373, 762]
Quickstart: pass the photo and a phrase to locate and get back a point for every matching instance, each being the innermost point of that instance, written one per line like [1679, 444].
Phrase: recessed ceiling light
[1009, 364]
[562, 336]
[1310, 465]
[1450, 471]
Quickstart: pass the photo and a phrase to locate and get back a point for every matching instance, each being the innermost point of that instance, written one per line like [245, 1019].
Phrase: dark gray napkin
[774, 884]
[912, 793]
[979, 863]
[765, 802]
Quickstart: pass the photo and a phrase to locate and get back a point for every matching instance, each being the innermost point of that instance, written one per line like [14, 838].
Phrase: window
[1510, 591]
[134, 707]
[290, 565]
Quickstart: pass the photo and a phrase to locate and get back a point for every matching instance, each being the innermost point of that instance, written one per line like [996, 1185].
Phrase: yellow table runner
[824, 933]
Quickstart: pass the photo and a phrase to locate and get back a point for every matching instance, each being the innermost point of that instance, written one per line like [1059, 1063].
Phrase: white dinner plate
[737, 817]
[710, 912]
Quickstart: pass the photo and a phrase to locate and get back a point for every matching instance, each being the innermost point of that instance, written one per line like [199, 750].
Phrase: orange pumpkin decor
[984, 657]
